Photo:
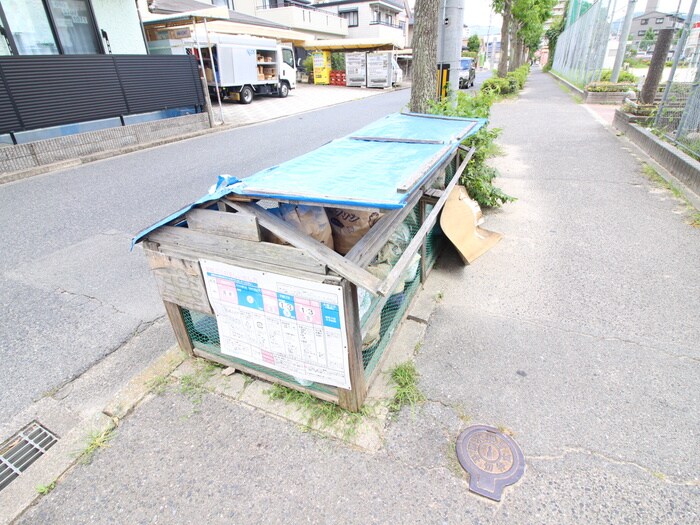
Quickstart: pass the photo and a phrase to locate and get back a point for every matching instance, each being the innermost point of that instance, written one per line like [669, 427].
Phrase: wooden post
[424, 247]
[177, 321]
[352, 399]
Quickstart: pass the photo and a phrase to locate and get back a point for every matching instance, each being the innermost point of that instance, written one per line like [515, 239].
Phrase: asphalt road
[72, 292]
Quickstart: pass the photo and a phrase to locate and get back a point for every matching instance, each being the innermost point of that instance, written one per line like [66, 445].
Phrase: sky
[476, 12]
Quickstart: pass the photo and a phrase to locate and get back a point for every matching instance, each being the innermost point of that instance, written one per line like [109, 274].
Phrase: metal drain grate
[23, 449]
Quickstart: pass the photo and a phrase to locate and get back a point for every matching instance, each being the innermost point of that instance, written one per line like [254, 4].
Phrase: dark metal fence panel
[159, 83]
[43, 91]
[8, 116]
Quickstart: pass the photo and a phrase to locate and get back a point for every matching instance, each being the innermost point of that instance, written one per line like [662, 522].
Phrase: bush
[625, 76]
[478, 177]
[497, 86]
[609, 87]
[478, 182]
[466, 105]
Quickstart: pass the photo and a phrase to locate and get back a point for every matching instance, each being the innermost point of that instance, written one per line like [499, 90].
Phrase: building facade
[375, 19]
[70, 27]
[654, 20]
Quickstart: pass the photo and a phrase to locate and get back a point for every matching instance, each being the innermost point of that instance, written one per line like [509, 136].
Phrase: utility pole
[450, 39]
[622, 45]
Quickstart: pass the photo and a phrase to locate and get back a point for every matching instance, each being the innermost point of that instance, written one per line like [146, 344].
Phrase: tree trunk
[656, 68]
[503, 62]
[513, 42]
[518, 53]
[425, 32]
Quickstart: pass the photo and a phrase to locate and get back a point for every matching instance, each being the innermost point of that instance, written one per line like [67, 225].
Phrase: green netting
[204, 333]
[376, 338]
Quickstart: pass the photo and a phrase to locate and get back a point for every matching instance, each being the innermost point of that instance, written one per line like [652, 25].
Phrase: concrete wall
[683, 167]
[121, 21]
[24, 157]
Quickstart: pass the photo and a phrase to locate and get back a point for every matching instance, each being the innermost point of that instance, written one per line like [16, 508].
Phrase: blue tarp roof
[375, 167]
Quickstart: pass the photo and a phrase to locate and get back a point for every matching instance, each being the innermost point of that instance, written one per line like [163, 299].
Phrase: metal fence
[678, 116]
[43, 91]
[582, 46]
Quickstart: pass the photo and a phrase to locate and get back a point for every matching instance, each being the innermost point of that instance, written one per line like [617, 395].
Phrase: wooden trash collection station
[299, 274]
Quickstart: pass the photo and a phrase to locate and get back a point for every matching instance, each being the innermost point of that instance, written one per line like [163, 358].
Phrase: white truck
[245, 66]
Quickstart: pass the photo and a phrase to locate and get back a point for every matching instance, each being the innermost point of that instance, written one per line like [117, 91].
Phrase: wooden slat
[237, 249]
[178, 323]
[407, 257]
[179, 280]
[267, 377]
[237, 225]
[366, 248]
[190, 253]
[311, 246]
[352, 399]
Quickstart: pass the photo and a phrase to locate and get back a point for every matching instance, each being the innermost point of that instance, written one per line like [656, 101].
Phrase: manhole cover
[492, 459]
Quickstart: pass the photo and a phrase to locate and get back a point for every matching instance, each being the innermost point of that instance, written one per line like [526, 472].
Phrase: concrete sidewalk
[577, 334]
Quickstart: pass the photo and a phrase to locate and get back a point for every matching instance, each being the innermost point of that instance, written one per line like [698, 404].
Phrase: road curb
[68, 451]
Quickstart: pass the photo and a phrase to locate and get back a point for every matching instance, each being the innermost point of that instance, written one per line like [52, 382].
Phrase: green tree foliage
[527, 18]
[647, 40]
[474, 44]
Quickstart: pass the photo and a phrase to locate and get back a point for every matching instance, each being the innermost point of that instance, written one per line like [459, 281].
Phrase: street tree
[503, 7]
[474, 44]
[647, 40]
[425, 34]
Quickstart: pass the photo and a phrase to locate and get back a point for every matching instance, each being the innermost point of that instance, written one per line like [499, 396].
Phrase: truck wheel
[246, 95]
[283, 90]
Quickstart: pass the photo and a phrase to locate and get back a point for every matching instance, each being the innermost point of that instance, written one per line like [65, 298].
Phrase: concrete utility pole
[450, 38]
[622, 45]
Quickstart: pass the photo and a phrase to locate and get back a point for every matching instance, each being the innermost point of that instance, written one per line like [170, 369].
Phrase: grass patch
[406, 391]
[319, 412]
[45, 489]
[158, 385]
[96, 441]
[659, 475]
[192, 385]
[653, 175]
[439, 296]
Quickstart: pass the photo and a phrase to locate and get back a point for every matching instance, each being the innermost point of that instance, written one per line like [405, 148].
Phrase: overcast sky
[476, 12]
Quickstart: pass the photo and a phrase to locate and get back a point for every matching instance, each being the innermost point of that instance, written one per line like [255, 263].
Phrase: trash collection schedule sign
[286, 324]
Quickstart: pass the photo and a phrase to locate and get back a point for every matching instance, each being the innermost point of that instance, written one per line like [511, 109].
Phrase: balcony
[302, 17]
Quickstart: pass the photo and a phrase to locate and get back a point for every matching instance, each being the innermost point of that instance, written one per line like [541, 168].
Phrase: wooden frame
[233, 235]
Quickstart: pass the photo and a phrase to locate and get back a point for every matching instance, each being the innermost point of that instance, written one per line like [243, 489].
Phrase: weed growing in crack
[319, 412]
[158, 385]
[45, 489]
[192, 385]
[406, 391]
[96, 441]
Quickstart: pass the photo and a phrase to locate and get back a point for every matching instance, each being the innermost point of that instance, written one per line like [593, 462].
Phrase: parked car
[467, 73]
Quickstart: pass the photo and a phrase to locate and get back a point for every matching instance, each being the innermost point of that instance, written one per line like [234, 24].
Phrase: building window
[351, 17]
[28, 27]
[223, 3]
[75, 27]
[389, 20]
[660, 20]
[644, 21]
[641, 33]
[376, 16]
[49, 27]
